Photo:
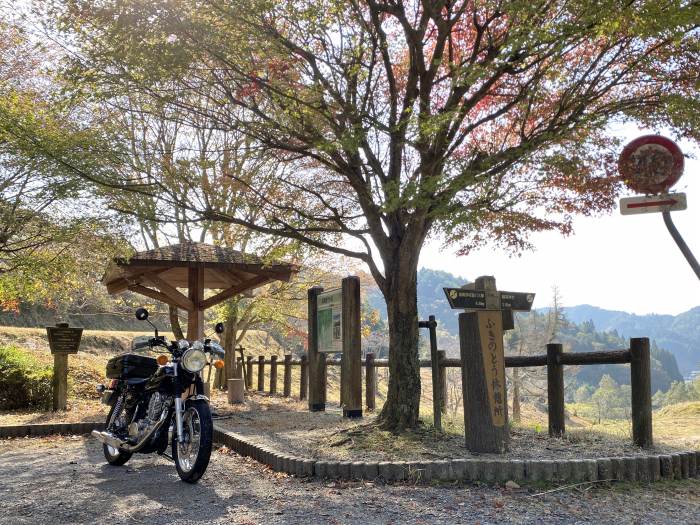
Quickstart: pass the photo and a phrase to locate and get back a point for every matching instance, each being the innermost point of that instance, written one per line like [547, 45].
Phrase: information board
[63, 339]
[330, 319]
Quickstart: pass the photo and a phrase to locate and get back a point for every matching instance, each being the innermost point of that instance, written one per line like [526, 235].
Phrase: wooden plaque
[63, 339]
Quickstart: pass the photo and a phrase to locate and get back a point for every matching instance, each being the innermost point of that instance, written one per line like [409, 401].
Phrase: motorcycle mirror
[141, 314]
[219, 328]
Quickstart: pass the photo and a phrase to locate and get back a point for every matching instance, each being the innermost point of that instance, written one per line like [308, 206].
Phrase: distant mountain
[679, 334]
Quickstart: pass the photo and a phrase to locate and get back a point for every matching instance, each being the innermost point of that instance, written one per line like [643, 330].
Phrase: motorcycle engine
[156, 405]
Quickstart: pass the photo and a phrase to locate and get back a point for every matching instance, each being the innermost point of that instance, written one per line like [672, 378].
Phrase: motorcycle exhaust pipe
[113, 441]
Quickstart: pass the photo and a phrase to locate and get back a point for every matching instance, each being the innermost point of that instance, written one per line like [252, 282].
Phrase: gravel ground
[64, 480]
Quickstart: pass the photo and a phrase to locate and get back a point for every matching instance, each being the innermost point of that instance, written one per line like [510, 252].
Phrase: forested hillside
[679, 334]
[579, 329]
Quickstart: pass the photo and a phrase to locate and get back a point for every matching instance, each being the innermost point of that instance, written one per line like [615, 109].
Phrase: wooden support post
[304, 379]
[640, 375]
[352, 347]
[555, 390]
[60, 381]
[195, 291]
[316, 360]
[249, 372]
[483, 381]
[273, 374]
[431, 325]
[261, 373]
[323, 372]
[370, 381]
[238, 374]
[442, 373]
[287, 389]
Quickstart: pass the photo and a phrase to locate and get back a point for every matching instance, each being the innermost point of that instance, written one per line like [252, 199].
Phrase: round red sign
[651, 164]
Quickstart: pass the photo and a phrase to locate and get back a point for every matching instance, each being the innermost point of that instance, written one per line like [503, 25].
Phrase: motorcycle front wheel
[192, 454]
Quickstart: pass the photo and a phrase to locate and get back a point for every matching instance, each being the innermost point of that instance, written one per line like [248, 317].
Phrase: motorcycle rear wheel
[114, 456]
[192, 455]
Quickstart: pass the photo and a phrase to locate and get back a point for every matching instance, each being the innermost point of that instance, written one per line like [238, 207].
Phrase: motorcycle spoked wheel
[114, 456]
[192, 455]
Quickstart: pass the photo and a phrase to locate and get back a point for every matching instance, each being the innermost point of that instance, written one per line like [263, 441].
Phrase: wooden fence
[638, 356]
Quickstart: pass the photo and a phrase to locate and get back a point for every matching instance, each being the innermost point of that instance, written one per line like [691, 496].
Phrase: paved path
[66, 481]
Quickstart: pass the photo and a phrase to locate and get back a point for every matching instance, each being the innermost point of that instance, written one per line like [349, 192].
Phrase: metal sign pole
[685, 250]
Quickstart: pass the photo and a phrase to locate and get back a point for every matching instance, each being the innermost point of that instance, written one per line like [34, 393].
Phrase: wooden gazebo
[196, 266]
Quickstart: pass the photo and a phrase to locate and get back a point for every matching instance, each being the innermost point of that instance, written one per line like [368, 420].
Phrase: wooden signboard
[63, 339]
[330, 321]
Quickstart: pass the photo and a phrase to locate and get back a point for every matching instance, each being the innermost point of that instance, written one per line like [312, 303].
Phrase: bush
[24, 382]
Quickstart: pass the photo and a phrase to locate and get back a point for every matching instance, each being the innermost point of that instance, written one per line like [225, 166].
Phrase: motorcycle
[160, 402]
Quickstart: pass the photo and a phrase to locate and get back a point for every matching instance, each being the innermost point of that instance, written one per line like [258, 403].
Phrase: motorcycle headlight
[194, 360]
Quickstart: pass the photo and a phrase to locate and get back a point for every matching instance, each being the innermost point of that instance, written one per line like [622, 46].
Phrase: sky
[616, 262]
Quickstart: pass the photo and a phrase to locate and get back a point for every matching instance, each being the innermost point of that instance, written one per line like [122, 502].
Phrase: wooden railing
[555, 359]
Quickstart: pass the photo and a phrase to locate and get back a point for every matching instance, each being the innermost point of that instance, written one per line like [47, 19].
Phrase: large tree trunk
[400, 411]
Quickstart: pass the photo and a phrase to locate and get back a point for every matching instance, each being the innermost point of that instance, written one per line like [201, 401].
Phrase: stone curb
[47, 429]
[640, 468]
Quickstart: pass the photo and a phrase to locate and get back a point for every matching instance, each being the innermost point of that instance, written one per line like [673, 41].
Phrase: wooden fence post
[249, 372]
[304, 380]
[316, 359]
[370, 381]
[273, 374]
[640, 376]
[287, 389]
[442, 379]
[555, 390]
[261, 373]
[239, 368]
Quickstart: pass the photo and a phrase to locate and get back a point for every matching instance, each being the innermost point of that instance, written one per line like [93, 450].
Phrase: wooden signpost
[63, 340]
[483, 362]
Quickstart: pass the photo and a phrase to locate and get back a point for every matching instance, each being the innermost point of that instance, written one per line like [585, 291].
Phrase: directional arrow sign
[653, 204]
[460, 298]
[517, 301]
[465, 299]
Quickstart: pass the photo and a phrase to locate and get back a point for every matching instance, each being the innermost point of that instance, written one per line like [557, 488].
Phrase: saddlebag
[131, 366]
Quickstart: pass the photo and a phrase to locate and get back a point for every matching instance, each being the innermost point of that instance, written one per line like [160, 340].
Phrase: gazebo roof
[158, 273]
